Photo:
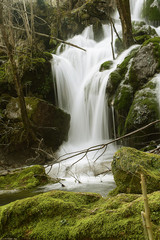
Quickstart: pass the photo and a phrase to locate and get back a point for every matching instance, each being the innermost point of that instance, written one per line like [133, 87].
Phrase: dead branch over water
[97, 148]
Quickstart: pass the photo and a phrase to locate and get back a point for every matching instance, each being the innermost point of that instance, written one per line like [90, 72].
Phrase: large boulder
[51, 122]
[128, 164]
[58, 215]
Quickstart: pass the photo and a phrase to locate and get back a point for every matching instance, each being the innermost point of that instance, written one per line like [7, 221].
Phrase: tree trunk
[123, 7]
[17, 81]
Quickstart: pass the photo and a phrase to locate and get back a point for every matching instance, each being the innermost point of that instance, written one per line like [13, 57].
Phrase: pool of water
[102, 185]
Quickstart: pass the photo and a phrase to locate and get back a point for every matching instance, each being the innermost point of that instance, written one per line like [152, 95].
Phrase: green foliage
[77, 216]
[26, 178]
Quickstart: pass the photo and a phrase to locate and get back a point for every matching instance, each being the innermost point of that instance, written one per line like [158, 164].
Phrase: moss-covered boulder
[78, 216]
[51, 122]
[143, 110]
[25, 178]
[127, 165]
[142, 32]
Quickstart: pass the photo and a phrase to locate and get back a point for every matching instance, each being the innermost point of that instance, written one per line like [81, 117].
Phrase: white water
[81, 92]
[136, 9]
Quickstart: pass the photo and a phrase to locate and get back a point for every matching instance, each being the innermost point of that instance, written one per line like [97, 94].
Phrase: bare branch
[101, 146]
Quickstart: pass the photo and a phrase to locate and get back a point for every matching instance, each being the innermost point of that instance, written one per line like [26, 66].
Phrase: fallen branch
[97, 148]
[101, 146]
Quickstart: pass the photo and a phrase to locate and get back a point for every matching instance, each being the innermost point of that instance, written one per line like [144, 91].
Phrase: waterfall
[136, 9]
[81, 91]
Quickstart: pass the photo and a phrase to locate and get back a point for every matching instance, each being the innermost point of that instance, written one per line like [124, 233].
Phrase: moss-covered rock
[131, 90]
[144, 109]
[26, 178]
[127, 165]
[51, 122]
[78, 216]
[105, 66]
[142, 32]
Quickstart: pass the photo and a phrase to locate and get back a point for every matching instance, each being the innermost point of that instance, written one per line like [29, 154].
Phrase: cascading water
[80, 88]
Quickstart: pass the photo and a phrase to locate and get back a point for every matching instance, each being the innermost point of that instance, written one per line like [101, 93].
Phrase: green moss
[74, 216]
[105, 66]
[123, 66]
[142, 39]
[127, 165]
[123, 99]
[143, 110]
[113, 82]
[26, 178]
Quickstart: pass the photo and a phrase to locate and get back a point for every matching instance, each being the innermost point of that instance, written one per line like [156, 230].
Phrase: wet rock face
[132, 89]
[144, 63]
[127, 165]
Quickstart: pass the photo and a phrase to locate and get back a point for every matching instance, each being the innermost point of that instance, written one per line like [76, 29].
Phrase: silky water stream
[81, 91]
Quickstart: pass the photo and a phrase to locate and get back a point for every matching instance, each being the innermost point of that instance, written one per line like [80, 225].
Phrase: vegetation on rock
[26, 178]
[70, 216]
[128, 164]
